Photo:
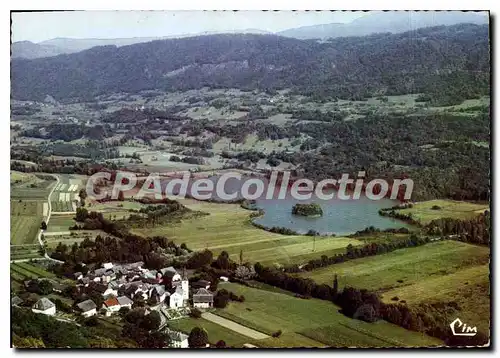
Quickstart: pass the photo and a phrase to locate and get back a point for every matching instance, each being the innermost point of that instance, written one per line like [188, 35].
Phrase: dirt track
[238, 328]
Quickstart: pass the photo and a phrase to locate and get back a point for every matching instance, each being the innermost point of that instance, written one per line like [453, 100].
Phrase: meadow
[424, 213]
[25, 220]
[29, 186]
[403, 267]
[305, 321]
[25, 252]
[59, 223]
[468, 287]
[215, 331]
[228, 228]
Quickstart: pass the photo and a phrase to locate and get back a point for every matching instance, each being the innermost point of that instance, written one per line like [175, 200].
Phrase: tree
[155, 340]
[83, 195]
[81, 214]
[241, 257]
[366, 313]
[335, 289]
[223, 262]
[220, 344]
[26, 342]
[151, 321]
[195, 313]
[198, 338]
[123, 311]
[44, 287]
[43, 226]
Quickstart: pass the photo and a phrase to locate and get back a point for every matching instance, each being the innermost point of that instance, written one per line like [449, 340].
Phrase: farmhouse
[203, 298]
[111, 290]
[88, 308]
[111, 305]
[44, 306]
[124, 301]
[177, 339]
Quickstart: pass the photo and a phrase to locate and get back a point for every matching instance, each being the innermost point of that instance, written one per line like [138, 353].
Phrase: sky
[41, 26]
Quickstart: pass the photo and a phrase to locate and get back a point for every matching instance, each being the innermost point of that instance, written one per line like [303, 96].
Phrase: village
[166, 291]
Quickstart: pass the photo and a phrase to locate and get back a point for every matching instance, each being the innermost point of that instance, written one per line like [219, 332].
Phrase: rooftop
[87, 305]
[43, 304]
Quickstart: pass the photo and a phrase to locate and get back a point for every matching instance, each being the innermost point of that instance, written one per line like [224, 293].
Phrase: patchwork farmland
[28, 205]
[444, 271]
[404, 266]
[65, 198]
[25, 220]
[303, 323]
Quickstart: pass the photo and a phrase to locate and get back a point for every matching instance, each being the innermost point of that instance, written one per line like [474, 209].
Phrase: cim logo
[464, 331]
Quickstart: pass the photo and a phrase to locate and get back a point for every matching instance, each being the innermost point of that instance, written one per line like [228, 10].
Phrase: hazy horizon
[42, 26]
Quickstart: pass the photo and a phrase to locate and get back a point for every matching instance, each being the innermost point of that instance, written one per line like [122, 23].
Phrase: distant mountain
[390, 21]
[62, 45]
[30, 50]
[433, 60]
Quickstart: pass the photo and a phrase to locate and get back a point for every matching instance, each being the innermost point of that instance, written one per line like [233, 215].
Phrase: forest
[449, 63]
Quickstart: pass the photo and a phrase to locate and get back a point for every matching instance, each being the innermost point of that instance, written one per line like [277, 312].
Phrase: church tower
[185, 285]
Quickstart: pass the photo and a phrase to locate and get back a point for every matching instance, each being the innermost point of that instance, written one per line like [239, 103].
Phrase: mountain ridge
[447, 58]
[373, 22]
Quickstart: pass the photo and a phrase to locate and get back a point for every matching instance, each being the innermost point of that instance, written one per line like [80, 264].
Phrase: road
[238, 328]
[40, 233]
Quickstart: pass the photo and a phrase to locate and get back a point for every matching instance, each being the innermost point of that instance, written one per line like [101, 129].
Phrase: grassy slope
[469, 287]
[422, 211]
[410, 265]
[60, 223]
[215, 331]
[228, 228]
[25, 220]
[318, 320]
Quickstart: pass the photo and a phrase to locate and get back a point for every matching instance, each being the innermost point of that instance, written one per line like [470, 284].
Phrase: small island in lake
[312, 209]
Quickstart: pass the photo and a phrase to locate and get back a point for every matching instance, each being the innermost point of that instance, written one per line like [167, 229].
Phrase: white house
[111, 305]
[177, 299]
[44, 306]
[124, 301]
[108, 265]
[110, 291]
[203, 298]
[177, 339]
[88, 308]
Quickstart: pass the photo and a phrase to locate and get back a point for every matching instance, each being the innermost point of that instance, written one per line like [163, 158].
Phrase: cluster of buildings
[120, 285]
[166, 291]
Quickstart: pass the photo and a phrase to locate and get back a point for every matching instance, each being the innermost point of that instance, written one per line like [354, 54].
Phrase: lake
[340, 217]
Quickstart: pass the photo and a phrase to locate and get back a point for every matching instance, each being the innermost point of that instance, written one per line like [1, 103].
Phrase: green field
[24, 252]
[29, 186]
[60, 223]
[25, 220]
[403, 267]
[468, 287]
[313, 320]
[423, 212]
[60, 206]
[215, 331]
[228, 228]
